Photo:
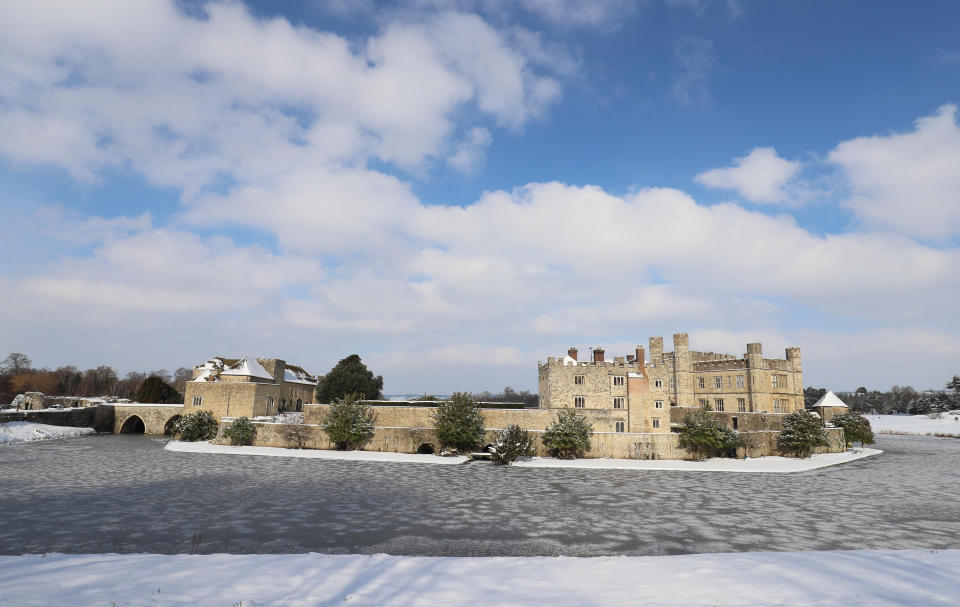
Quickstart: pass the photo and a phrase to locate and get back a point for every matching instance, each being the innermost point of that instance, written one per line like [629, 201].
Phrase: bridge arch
[426, 449]
[133, 425]
[168, 427]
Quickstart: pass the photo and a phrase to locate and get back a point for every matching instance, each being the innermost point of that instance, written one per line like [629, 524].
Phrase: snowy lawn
[21, 432]
[949, 424]
[753, 464]
[367, 456]
[756, 464]
[875, 578]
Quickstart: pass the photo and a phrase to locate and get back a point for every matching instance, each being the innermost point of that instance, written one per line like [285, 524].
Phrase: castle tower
[683, 370]
[793, 357]
[656, 350]
[758, 391]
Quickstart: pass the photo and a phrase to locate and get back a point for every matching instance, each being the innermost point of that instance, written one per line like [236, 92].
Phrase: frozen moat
[120, 493]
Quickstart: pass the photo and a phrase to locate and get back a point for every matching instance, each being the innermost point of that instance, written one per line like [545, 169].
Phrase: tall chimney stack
[572, 353]
[641, 357]
[598, 355]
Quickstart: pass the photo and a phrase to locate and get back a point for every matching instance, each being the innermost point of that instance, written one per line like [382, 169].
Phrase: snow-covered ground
[948, 423]
[367, 456]
[20, 432]
[753, 464]
[875, 578]
[756, 464]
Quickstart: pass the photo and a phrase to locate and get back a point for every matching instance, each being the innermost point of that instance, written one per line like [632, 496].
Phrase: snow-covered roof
[568, 360]
[298, 376]
[247, 366]
[830, 400]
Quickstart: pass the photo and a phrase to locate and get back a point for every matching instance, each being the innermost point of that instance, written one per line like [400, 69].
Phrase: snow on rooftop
[830, 400]
[248, 366]
[297, 377]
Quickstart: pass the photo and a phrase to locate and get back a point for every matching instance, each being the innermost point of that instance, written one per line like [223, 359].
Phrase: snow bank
[366, 456]
[875, 578]
[756, 464]
[21, 432]
[753, 464]
[949, 423]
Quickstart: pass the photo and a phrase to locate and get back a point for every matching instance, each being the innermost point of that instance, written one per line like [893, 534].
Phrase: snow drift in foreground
[948, 423]
[875, 578]
[754, 464]
[21, 432]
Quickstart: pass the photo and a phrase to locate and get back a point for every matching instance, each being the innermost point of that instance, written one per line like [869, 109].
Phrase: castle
[627, 394]
[631, 403]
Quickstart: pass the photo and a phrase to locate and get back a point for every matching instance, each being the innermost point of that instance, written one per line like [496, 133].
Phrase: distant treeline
[899, 399]
[17, 375]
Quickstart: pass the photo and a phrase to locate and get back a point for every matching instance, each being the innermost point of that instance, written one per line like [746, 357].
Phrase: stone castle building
[248, 387]
[628, 394]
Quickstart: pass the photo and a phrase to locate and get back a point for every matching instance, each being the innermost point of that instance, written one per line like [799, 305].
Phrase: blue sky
[455, 190]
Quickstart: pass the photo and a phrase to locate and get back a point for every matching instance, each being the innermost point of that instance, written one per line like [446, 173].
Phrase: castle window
[618, 402]
[656, 422]
[671, 384]
[619, 426]
[197, 400]
[773, 380]
[701, 383]
[578, 380]
[658, 383]
[269, 402]
[658, 404]
[617, 380]
[742, 405]
[705, 403]
[776, 405]
[717, 382]
[579, 401]
[736, 424]
[718, 404]
[739, 381]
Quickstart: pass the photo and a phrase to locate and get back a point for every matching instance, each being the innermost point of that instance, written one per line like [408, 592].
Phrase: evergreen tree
[350, 376]
[954, 384]
[856, 428]
[155, 390]
[512, 442]
[240, 432]
[703, 434]
[811, 395]
[802, 431]
[458, 423]
[349, 423]
[568, 436]
[199, 426]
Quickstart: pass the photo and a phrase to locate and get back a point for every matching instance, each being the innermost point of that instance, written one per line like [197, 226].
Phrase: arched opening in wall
[488, 449]
[133, 425]
[299, 405]
[425, 449]
[168, 427]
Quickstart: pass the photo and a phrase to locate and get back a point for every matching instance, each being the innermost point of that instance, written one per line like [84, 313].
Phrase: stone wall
[157, 419]
[97, 417]
[232, 399]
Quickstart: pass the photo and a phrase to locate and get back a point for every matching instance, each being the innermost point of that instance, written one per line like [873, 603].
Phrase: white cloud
[761, 176]
[694, 59]
[570, 13]
[470, 153]
[187, 101]
[907, 182]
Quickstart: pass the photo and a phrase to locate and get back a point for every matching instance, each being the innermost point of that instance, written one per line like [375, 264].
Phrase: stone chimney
[572, 353]
[631, 358]
[641, 357]
[598, 355]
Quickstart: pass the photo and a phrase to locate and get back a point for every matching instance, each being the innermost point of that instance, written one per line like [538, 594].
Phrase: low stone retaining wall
[621, 445]
[98, 417]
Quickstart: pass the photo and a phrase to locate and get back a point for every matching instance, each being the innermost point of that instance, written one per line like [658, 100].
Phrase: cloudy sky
[455, 190]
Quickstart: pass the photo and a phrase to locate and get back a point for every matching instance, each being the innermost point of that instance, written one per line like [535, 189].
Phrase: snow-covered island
[21, 432]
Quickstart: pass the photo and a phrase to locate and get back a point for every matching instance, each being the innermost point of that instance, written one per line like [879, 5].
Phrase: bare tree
[16, 363]
[180, 378]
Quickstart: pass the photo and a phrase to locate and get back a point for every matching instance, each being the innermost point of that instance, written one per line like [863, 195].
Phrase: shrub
[240, 432]
[295, 431]
[568, 436]
[704, 435]
[856, 428]
[196, 427]
[511, 443]
[458, 423]
[802, 431]
[349, 423]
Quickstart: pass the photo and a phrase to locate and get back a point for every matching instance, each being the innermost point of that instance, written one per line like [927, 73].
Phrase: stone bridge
[137, 418]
